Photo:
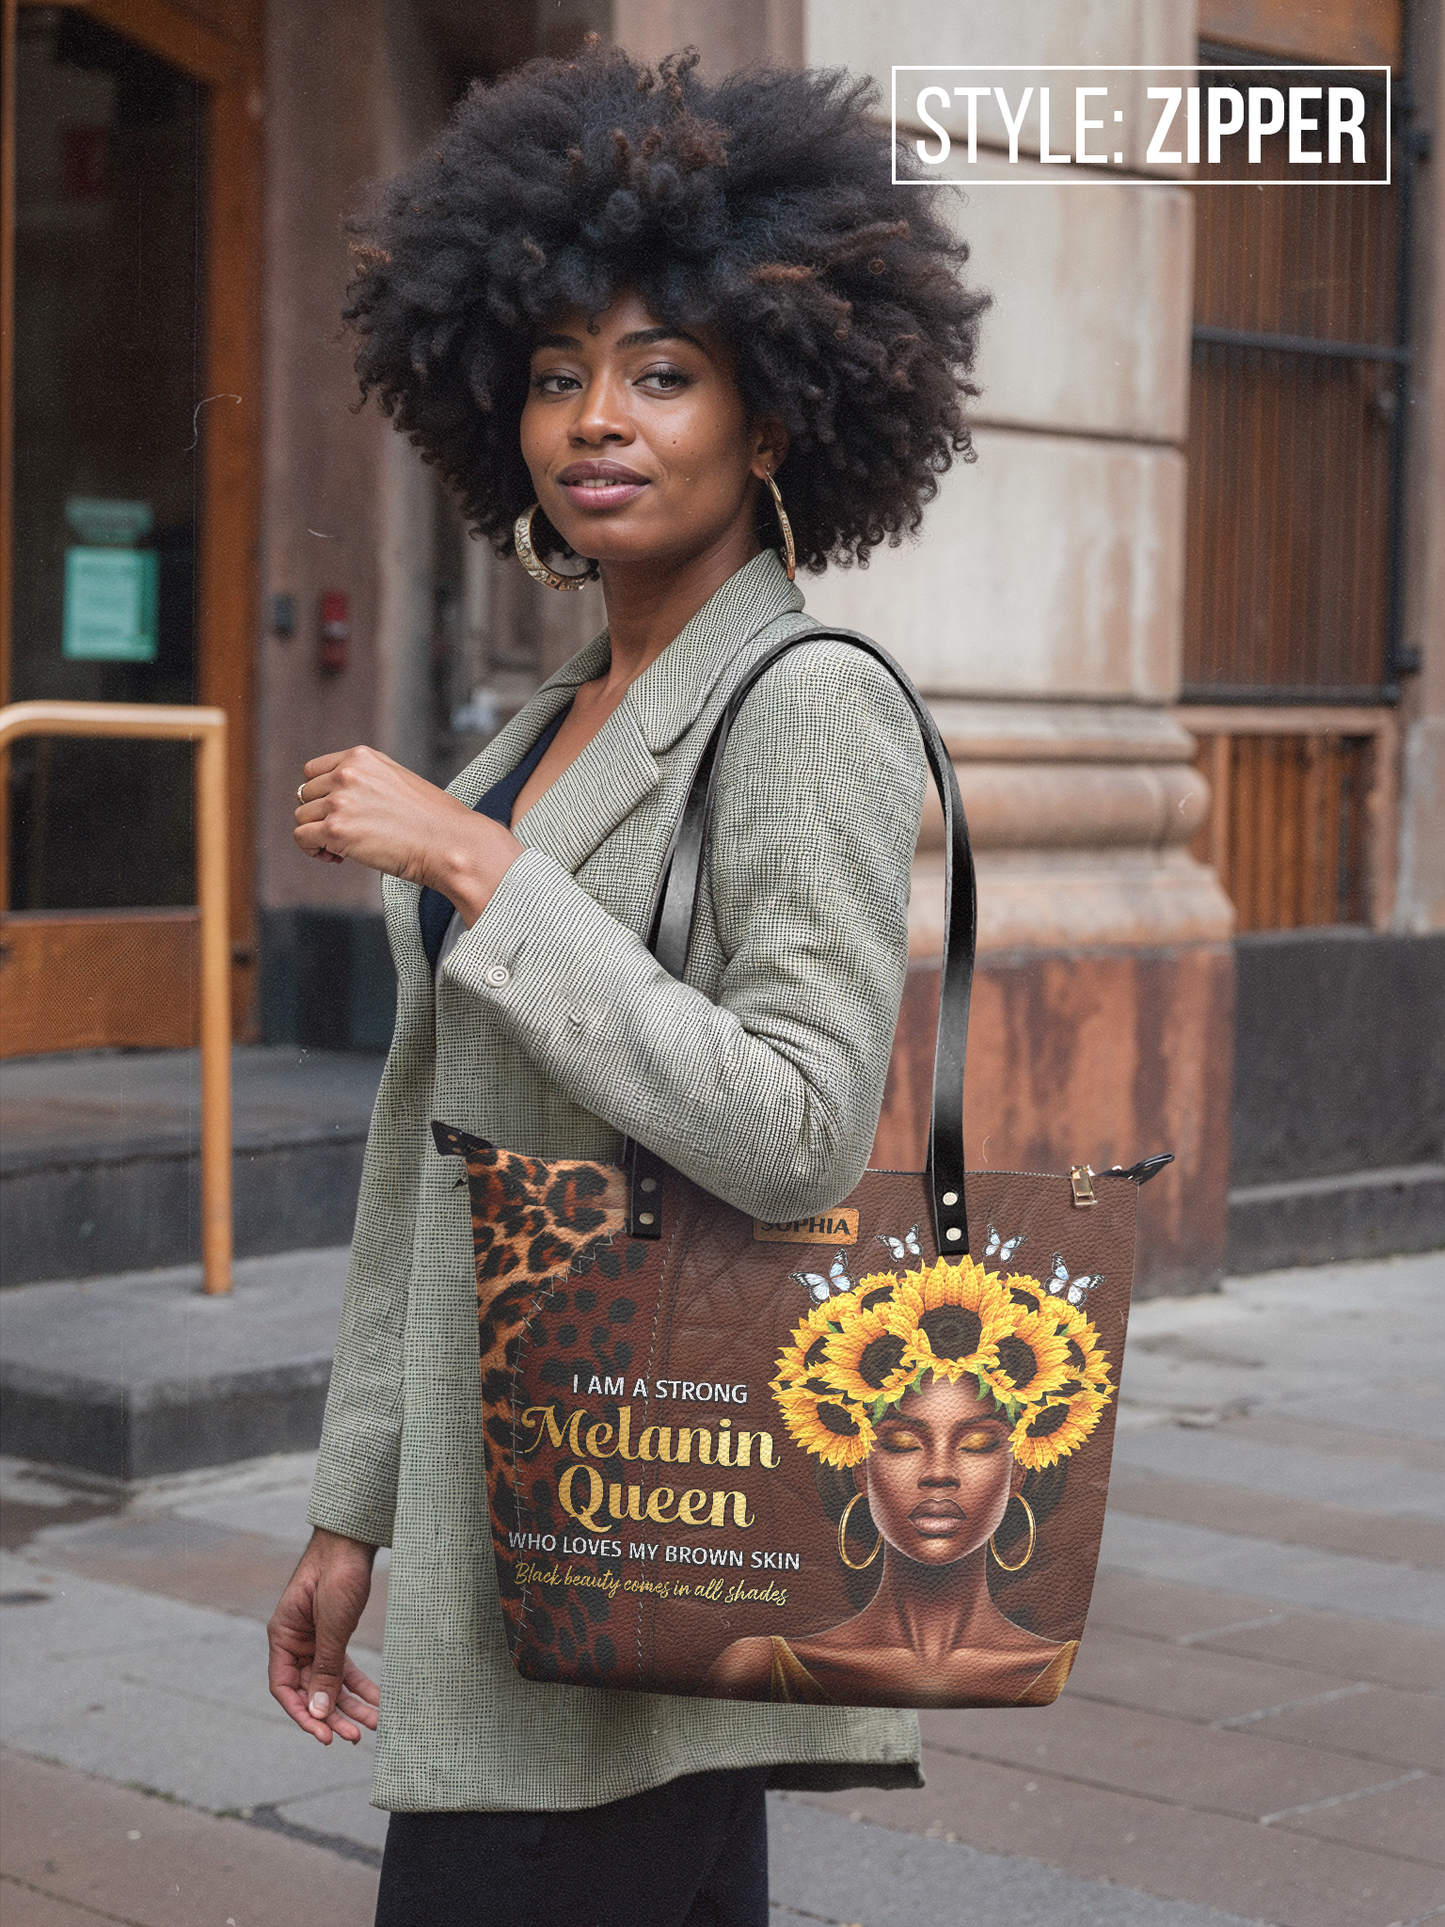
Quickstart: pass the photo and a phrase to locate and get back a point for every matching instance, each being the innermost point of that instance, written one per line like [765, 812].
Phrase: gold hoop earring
[1033, 1534]
[854, 1565]
[790, 554]
[533, 563]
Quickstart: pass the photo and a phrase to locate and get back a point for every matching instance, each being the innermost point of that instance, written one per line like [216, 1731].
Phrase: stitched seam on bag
[522, 1337]
[647, 1408]
[682, 1215]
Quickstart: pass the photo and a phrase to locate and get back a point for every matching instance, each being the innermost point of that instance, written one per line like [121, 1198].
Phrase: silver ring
[300, 792]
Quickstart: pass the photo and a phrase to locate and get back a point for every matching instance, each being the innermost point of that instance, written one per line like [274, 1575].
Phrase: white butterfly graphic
[1002, 1248]
[905, 1247]
[821, 1289]
[1075, 1289]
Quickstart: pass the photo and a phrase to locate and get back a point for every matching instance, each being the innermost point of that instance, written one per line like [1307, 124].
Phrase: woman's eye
[668, 380]
[900, 1442]
[554, 384]
[980, 1441]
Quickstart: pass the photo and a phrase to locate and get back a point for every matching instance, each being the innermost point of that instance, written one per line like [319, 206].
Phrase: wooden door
[130, 411]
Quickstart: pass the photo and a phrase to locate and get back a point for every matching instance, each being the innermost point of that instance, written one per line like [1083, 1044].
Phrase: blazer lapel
[588, 800]
[619, 767]
[506, 749]
[670, 696]
[514, 739]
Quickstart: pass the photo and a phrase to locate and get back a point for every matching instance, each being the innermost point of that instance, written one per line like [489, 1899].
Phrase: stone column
[1041, 613]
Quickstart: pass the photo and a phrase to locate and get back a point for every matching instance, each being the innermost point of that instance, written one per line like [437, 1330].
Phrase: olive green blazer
[554, 1032]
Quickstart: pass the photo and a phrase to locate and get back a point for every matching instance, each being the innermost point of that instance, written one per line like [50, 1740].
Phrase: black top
[435, 911]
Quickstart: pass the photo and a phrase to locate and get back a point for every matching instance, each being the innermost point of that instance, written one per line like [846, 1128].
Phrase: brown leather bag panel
[620, 1377]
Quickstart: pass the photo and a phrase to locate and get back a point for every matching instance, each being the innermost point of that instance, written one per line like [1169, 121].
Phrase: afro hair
[761, 207]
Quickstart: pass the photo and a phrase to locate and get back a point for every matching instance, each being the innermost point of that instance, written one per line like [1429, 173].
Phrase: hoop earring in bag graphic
[1033, 1535]
[855, 1565]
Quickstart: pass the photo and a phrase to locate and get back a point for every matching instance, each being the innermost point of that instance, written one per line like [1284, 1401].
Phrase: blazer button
[499, 975]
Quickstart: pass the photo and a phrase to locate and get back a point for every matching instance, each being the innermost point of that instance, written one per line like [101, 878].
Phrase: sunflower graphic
[827, 1424]
[1037, 1356]
[1032, 1359]
[1086, 1360]
[806, 1350]
[1045, 1435]
[951, 1318]
[868, 1360]
[878, 1289]
[1028, 1294]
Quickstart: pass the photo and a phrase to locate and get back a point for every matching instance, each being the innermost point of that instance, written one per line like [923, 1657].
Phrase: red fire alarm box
[335, 630]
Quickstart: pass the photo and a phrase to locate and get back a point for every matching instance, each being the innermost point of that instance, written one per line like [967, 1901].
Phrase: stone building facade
[1042, 612]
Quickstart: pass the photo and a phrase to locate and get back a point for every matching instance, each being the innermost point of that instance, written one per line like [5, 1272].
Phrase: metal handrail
[207, 729]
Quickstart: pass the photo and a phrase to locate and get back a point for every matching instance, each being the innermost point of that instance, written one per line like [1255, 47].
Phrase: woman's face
[940, 1473]
[638, 443]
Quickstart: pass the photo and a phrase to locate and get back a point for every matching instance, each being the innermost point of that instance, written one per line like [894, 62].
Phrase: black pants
[692, 1853]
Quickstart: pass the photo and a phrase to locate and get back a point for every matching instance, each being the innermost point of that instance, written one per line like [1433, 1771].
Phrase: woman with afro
[688, 339]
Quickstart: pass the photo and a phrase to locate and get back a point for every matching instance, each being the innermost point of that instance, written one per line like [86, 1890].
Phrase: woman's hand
[358, 803]
[311, 1675]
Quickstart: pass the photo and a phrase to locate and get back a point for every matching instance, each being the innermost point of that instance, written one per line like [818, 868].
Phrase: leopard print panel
[534, 1222]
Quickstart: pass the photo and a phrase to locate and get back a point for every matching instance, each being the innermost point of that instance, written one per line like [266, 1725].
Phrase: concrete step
[100, 1156]
[134, 1376]
[1351, 1214]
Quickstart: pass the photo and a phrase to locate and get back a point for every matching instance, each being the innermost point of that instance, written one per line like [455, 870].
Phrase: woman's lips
[938, 1512]
[600, 485]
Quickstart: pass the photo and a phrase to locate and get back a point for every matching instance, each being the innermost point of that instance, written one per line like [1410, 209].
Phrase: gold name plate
[838, 1227]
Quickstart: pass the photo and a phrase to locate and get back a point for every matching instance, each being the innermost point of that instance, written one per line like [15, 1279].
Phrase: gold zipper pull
[1081, 1178]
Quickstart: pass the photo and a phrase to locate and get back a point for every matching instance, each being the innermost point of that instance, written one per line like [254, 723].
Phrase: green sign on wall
[110, 605]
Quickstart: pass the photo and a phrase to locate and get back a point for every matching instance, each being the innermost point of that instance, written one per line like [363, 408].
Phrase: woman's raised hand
[358, 803]
[311, 1674]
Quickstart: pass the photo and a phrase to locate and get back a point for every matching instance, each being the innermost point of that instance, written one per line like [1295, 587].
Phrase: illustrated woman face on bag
[940, 1475]
[938, 1393]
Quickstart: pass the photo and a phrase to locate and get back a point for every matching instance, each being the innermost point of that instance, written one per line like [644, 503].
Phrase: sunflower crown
[1035, 1355]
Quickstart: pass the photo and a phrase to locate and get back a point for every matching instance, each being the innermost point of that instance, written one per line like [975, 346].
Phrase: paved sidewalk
[100, 1156]
[1253, 1731]
[141, 1375]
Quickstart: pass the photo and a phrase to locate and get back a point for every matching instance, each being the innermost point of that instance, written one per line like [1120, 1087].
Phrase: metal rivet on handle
[950, 1197]
[649, 1184]
[953, 1232]
[644, 1217]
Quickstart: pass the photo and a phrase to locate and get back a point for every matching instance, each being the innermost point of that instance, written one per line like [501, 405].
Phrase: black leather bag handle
[676, 907]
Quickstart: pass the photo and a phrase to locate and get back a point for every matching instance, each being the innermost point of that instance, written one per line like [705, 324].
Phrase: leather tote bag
[857, 1458]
